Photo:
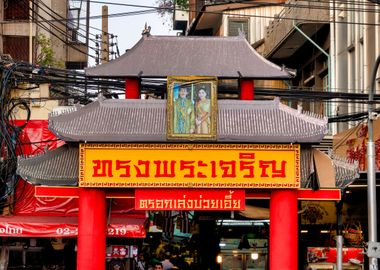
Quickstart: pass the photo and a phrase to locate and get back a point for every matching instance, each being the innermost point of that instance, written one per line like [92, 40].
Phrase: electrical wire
[56, 29]
[261, 4]
[152, 9]
[69, 84]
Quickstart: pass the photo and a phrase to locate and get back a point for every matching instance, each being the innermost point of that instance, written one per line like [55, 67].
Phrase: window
[16, 47]
[234, 25]
[16, 10]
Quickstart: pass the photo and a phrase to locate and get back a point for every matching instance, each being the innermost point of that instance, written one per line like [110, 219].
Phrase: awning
[45, 226]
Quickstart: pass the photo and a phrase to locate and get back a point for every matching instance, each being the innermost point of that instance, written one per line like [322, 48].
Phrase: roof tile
[255, 121]
[162, 56]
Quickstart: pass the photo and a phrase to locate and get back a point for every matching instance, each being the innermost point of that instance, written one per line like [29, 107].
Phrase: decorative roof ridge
[307, 115]
[248, 103]
[124, 102]
[232, 38]
[276, 104]
[347, 170]
[343, 161]
[65, 111]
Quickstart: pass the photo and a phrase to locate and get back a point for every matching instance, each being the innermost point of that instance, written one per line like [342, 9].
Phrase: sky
[129, 28]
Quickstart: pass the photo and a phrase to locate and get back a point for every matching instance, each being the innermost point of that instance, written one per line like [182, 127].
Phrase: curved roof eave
[163, 56]
[237, 121]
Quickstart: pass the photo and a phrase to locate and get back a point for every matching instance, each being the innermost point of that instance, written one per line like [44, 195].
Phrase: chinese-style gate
[247, 122]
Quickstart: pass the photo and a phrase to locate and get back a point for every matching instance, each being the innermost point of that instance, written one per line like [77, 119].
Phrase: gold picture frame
[191, 108]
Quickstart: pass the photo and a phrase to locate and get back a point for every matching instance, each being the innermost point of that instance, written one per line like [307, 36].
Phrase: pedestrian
[166, 263]
[158, 266]
[140, 261]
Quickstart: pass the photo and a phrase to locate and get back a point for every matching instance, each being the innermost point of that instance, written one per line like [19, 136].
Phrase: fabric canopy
[48, 226]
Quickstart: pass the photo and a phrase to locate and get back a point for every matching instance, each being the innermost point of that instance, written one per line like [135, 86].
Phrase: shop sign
[118, 252]
[328, 255]
[189, 199]
[190, 165]
[24, 229]
[352, 143]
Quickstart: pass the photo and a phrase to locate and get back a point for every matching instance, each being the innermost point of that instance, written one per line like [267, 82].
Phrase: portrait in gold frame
[191, 108]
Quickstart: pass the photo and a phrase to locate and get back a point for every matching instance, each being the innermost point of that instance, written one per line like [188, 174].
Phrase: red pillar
[283, 230]
[247, 90]
[132, 88]
[92, 229]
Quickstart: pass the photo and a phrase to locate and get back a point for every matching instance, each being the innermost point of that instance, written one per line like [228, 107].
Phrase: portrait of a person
[183, 118]
[202, 112]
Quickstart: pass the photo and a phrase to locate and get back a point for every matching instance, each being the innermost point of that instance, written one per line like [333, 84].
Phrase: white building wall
[341, 67]
[38, 101]
[258, 17]
[355, 44]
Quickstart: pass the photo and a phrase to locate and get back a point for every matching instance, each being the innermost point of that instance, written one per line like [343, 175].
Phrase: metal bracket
[373, 250]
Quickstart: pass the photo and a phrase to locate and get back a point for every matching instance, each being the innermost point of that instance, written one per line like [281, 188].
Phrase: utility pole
[105, 41]
[373, 247]
[339, 230]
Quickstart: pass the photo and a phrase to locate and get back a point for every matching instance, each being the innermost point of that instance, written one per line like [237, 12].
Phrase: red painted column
[92, 229]
[247, 90]
[132, 88]
[283, 230]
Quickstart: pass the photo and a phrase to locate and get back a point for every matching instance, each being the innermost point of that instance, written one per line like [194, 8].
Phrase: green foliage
[184, 4]
[46, 56]
[166, 6]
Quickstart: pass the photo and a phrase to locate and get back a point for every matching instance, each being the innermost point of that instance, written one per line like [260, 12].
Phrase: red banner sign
[189, 165]
[64, 227]
[189, 199]
[328, 255]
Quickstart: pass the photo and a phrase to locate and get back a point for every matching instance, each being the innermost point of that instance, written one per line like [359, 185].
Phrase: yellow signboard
[190, 165]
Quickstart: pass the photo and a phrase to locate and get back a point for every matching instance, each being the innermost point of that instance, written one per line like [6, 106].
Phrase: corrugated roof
[58, 167]
[113, 120]
[162, 56]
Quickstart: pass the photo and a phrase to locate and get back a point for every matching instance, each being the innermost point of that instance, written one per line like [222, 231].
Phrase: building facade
[27, 26]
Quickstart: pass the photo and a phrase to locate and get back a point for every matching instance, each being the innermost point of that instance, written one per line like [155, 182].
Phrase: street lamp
[219, 260]
[254, 255]
[371, 191]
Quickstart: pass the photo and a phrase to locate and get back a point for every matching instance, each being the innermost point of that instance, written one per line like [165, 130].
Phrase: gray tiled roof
[58, 167]
[162, 56]
[346, 171]
[113, 120]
